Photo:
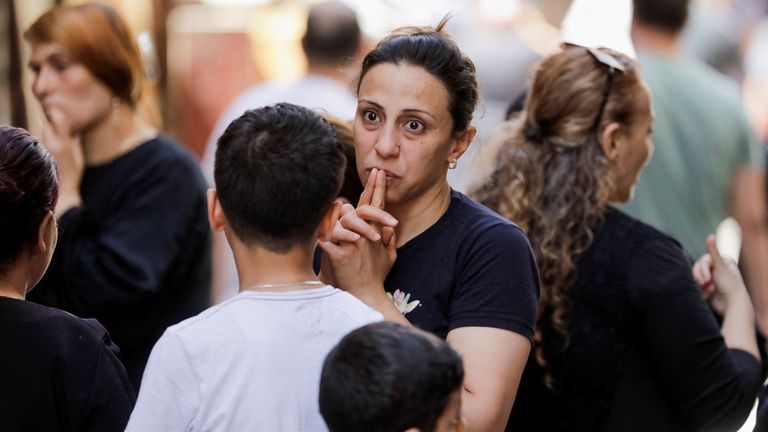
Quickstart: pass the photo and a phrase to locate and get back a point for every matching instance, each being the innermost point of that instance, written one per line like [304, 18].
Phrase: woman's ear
[216, 218]
[610, 141]
[328, 223]
[461, 142]
[46, 233]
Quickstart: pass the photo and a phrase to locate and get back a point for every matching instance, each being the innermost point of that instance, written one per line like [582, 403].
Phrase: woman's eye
[371, 116]
[60, 66]
[414, 126]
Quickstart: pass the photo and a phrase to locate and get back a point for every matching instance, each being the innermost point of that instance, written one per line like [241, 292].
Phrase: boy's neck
[259, 269]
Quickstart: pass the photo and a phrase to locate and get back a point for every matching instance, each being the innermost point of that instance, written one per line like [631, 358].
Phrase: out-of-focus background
[203, 53]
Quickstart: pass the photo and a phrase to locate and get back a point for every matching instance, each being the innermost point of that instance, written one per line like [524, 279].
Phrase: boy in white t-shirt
[253, 363]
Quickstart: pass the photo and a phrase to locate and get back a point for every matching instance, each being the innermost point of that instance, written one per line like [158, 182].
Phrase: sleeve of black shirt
[709, 386]
[95, 385]
[498, 284]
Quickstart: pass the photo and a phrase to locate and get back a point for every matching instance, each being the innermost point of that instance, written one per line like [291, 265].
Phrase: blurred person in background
[134, 250]
[625, 339]
[708, 164]
[58, 372]
[461, 271]
[333, 46]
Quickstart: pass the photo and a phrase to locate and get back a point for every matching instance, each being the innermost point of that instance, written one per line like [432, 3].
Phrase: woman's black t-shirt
[471, 268]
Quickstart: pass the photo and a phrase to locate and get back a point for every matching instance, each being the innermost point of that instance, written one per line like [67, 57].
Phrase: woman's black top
[643, 350]
[136, 254]
[58, 372]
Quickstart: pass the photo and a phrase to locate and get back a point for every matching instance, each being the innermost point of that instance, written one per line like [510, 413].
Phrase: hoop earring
[452, 164]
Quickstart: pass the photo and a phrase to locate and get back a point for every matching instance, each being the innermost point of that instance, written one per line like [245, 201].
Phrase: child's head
[386, 377]
[278, 170]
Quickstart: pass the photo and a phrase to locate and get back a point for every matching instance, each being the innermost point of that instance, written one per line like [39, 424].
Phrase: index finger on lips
[379, 190]
[370, 185]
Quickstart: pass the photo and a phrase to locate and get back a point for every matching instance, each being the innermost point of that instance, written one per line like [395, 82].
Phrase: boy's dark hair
[29, 189]
[386, 377]
[669, 15]
[277, 171]
[352, 187]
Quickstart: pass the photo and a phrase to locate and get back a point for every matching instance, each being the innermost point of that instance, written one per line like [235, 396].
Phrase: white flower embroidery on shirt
[400, 300]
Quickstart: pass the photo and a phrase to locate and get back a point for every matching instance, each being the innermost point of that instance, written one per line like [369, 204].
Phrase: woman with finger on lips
[134, 246]
[418, 251]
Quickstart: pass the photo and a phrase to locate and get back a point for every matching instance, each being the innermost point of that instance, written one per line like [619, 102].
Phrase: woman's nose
[387, 145]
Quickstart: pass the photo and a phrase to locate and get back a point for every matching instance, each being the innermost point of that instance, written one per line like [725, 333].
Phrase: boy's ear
[610, 141]
[216, 218]
[325, 230]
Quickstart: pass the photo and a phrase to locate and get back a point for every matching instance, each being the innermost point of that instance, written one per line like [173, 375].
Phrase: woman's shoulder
[168, 150]
[477, 218]
[59, 328]
[160, 159]
[621, 230]
[652, 261]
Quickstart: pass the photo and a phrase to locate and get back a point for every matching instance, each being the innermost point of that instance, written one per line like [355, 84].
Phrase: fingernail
[356, 236]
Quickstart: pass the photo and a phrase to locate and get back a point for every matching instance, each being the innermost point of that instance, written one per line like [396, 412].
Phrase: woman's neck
[114, 136]
[417, 216]
[14, 283]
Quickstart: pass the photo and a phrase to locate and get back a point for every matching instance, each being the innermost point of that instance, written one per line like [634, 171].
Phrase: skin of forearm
[472, 408]
[754, 257]
[738, 324]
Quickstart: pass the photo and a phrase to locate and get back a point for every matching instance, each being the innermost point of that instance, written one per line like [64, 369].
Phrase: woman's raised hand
[362, 248]
[718, 277]
[68, 153]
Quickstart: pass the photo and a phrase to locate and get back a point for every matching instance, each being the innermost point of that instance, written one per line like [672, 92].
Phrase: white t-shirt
[251, 363]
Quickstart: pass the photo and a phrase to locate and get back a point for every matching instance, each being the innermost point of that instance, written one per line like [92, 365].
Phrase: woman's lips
[390, 176]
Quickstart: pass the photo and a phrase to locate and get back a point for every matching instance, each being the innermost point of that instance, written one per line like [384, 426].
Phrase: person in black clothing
[625, 338]
[57, 371]
[461, 272]
[134, 248]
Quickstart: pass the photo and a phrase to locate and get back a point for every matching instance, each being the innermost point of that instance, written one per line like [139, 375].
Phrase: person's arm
[748, 207]
[112, 397]
[708, 384]
[67, 151]
[98, 392]
[101, 266]
[492, 319]
[493, 364]
[170, 393]
[721, 283]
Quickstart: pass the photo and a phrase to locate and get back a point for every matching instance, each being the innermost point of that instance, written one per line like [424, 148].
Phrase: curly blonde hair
[551, 176]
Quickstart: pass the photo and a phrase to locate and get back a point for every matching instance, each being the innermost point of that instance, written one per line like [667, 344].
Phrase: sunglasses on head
[613, 65]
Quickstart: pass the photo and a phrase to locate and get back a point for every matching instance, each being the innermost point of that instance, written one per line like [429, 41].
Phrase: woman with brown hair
[58, 372]
[134, 249]
[625, 338]
[461, 271]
